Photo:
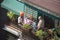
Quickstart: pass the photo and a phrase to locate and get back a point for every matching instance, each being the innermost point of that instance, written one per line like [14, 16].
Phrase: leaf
[26, 26]
[12, 15]
[39, 33]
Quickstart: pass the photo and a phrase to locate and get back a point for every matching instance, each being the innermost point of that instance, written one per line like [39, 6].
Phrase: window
[29, 10]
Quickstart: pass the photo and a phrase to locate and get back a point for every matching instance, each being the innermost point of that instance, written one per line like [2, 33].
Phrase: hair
[31, 17]
[40, 17]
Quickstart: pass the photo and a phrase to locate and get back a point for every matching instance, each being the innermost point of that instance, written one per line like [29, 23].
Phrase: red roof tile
[53, 5]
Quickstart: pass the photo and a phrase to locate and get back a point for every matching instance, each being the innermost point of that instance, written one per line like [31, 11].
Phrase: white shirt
[40, 23]
[19, 19]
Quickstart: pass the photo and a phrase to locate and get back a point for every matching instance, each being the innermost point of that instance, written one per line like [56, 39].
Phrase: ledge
[12, 29]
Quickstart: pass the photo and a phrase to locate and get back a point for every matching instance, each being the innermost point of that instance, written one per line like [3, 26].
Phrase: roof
[51, 5]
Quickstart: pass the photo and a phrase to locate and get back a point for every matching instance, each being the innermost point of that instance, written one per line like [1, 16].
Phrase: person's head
[31, 17]
[21, 14]
[39, 17]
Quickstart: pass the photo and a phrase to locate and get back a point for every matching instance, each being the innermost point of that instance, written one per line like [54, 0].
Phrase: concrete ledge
[14, 31]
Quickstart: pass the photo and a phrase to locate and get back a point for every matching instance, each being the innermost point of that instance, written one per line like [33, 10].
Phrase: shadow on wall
[3, 16]
[1, 1]
[3, 20]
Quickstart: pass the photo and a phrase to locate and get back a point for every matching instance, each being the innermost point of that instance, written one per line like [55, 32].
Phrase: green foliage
[58, 31]
[55, 36]
[45, 33]
[12, 15]
[26, 26]
[39, 33]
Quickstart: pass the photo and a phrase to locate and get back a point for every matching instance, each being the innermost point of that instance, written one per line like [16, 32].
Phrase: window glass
[29, 10]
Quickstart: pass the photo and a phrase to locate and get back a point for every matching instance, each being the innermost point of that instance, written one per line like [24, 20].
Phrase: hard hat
[21, 13]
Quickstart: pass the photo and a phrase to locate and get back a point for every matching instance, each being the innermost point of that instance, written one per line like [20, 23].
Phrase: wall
[57, 23]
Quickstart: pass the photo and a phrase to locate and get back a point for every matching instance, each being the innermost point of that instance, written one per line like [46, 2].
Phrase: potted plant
[58, 32]
[39, 34]
[12, 16]
[55, 36]
[26, 27]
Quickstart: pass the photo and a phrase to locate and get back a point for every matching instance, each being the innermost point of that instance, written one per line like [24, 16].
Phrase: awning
[13, 5]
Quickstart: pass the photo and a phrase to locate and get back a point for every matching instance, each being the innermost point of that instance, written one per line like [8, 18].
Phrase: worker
[21, 19]
[40, 23]
[28, 20]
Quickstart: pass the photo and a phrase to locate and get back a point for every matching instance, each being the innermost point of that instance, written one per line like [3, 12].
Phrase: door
[49, 22]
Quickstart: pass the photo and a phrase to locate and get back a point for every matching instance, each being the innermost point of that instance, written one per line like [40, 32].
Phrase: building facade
[48, 9]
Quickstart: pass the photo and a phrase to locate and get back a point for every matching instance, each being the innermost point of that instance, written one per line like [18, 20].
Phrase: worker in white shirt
[21, 19]
[40, 23]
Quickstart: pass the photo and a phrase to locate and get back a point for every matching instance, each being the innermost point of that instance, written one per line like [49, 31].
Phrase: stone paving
[25, 37]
